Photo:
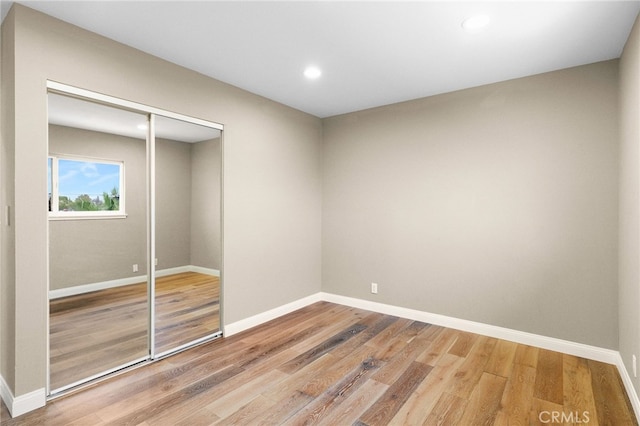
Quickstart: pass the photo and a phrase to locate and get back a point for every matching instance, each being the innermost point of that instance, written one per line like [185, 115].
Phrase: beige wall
[496, 204]
[173, 203]
[7, 232]
[629, 235]
[272, 177]
[188, 204]
[90, 251]
[205, 191]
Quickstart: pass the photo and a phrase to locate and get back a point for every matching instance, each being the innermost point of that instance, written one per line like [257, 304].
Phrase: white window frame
[56, 214]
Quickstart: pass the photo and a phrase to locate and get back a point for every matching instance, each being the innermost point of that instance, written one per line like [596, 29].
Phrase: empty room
[370, 213]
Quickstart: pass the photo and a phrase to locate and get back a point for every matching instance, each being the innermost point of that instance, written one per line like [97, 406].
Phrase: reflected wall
[97, 210]
[187, 231]
[85, 252]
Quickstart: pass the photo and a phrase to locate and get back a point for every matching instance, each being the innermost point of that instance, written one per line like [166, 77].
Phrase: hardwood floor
[336, 365]
[95, 332]
[187, 308]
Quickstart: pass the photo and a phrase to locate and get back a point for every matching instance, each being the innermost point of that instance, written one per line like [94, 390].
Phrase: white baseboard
[206, 271]
[24, 403]
[578, 349]
[87, 288]
[551, 343]
[171, 271]
[247, 323]
[103, 285]
[628, 384]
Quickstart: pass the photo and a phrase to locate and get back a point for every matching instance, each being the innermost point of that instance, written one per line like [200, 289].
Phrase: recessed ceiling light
[476, 23]
[312, 72]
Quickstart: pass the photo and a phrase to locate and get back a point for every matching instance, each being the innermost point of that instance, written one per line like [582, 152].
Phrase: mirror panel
[134, 234]
[187, 233]
[98, 214]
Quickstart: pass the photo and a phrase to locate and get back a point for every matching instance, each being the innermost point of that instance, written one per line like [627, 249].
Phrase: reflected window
[83, 187]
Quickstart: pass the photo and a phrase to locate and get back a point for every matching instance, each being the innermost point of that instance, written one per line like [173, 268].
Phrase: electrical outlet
[156, 262]
[635, 366]
[374, 288]
[135, 267]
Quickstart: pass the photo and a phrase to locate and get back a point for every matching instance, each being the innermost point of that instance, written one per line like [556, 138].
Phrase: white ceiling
[83, 114]
[370, 53]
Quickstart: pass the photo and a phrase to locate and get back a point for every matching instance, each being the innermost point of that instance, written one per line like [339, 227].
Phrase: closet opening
[134, 234]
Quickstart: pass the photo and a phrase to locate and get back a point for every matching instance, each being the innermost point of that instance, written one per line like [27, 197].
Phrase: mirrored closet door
[134, 234]
[98, 306]
[187, 233]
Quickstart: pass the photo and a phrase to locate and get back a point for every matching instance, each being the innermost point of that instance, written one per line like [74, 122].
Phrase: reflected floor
[98, 331]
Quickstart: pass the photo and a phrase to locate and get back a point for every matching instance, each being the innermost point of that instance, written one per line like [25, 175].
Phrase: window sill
[88, 217]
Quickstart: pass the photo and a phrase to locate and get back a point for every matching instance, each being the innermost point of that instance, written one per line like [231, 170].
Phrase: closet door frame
[151, 113]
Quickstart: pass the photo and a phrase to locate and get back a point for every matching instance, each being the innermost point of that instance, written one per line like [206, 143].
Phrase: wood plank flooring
[95, 332]
[335, 365]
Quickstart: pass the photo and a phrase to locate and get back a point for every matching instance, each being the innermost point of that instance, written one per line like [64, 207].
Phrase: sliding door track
[125, 368]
